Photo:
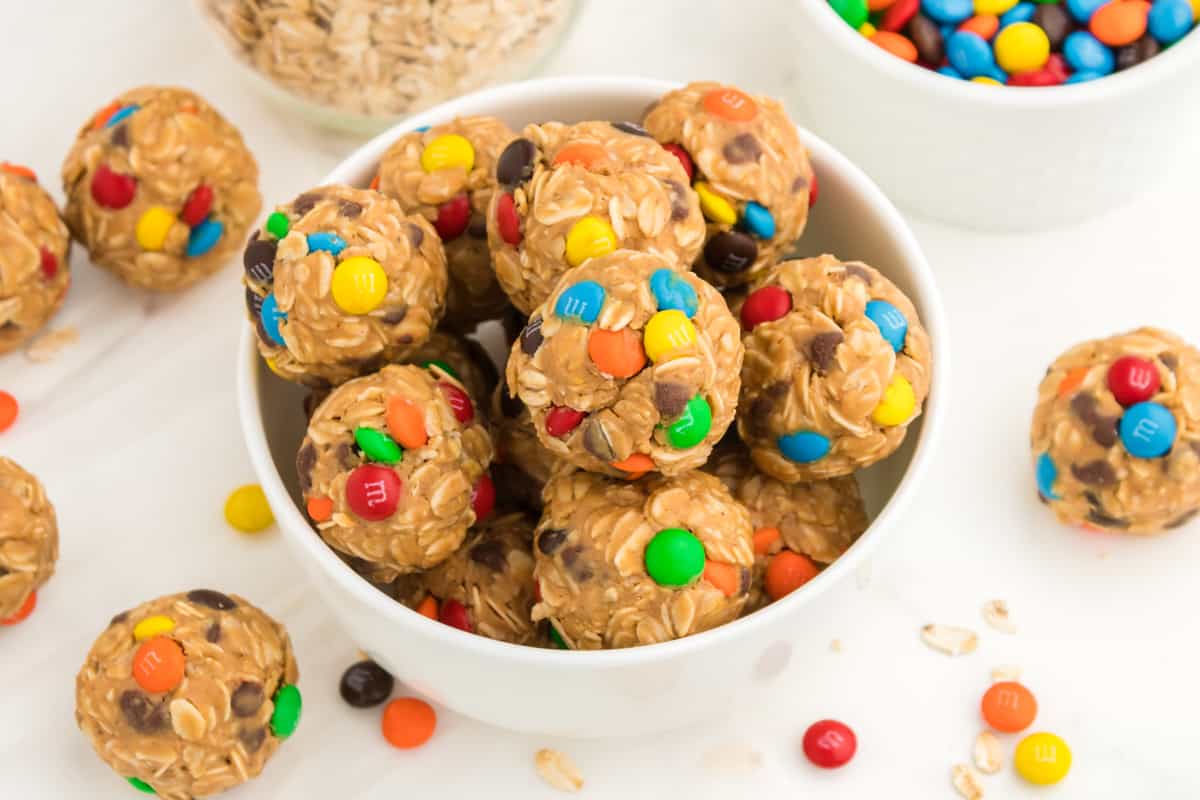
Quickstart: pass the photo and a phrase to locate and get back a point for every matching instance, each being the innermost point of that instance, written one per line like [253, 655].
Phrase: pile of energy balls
[595, 493]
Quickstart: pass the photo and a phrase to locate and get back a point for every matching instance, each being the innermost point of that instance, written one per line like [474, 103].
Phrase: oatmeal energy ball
[568, 193]
[1116, 433]
[34, 249]
[622, 564]
[190, 694]
[28, 541]
[393, 469]
[837, 367]
[629, 366]
[340, 282]
[160, 188]
[745, 160]
[447, 174]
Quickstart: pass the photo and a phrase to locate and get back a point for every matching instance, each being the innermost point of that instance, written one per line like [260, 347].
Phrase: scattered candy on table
[408, 722]
[829, 744]
[1042, 43]
[9, 408]
[247, 510]
[1042, 759]
[1008, 707]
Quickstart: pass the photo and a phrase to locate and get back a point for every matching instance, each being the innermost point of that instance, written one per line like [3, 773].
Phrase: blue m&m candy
[204, 237]
[271, 317]
[803, 447]
[1047, 474]
[672, 291]
[581, 302]
[1082, 10]
[123, 113]
[329, 242]
[1169, 20]
[948, 11]
[758, 220]
[1021, 12]
[892, 324]
[1083, 77]
[950, 72]
[1147, 430]
[970, 54]
[1086, 53]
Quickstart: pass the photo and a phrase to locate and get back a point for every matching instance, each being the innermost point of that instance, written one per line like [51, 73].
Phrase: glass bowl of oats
[358, 65]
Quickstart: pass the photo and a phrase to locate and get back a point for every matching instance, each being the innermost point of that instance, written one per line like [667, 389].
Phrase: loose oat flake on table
[951, 640]
[987, 754]
[966, 782]
[49, 343]
[995, 614]
[189, 694]
[558, 770]
[28, 541]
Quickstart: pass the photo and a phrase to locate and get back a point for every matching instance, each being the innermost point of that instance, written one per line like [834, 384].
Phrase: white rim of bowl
[291, 519]
[1161, 67]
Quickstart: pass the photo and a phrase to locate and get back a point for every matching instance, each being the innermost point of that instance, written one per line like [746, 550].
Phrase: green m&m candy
[443, 366]
[278, 225]
[141, 785]
[854, 12]
[377, 445]
[692, 426]
[286, 715]
[557, 639]
[674, 557]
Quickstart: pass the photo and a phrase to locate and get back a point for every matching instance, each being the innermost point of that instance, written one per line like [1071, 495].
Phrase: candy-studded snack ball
[1116, 433]
[189, 694]
[34, 250]
[523, 464]
[340, 282]
[746, 162]
[569, 193]
[629, 563]
[486, 586]
[160, 188]
[629, 366]
[799, 528]
[28, 541]
[462, 359]
[447, 174]
[837, 367]
[394, 466]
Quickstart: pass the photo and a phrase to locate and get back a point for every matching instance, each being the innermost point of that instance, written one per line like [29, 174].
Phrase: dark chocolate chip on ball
[211, 599]
[550, 540]
[489, 553]
[742, 149]
[305, 203]
[679, 200]
[531, 336]
[142, 713]
[730, 252]
[1095, 473]
[416, 235]
[213, 634]
[597, 441]
[120, 136]
[671, 398]
[630, 127]
[247, 698]
[822, 348]
[860, 272]
[366, 684]
[306, 459]
[253, 739]
[515, 165]
[349, 209]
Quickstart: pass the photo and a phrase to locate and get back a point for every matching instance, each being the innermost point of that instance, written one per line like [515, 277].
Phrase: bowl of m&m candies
[1004, 114]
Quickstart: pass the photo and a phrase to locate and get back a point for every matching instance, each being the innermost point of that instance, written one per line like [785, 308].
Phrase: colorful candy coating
[359, 285]
[158, 664]
[286, 715]
[483, 498]
[9, 409]
[715, 207]
[454, 614]
[726, 577]
[1147, 430]
[1086, 53]
[197, 206]
[829, 744]
[786, 572]
[508, 223]
[204, 237]
[408, 722]
[897, 44]
[48, 262]
[272, 316]
[460, 402]
[1133, 380]
[1120, 22]
[157, 625]
[327, 242]
[1042, 759]
[373, 492]
[23, 612]
[121, 114]
[804, 447]
[674, 557]
[758, 220]
[278, 224]
[765, 304]
[153, 227]
[247, 510]
[319, 509]
[948, 11]
[970, 54]
[377, 446]
[898, 403]
[406, 423]
[667, 334]
[1008, 707]
[590, 237]
[892, 324]
[1046, 474]
[692, 426]
[672, 291]
[581, 302]
[733, 105]
[854, 12]
[616, 353]
[453, 217]
[441, 365]
[448, 150]
[561, 420]
[141, 785]
[684, 159]
[994, 7]
[1169, 20]
[584, 154]
[1022, 47]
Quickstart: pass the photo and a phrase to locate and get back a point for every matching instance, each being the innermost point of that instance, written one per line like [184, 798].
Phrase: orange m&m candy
[158, 664]
[408, 722]
[763, 539]
[585, 154]
[725, 577]
[617, 353]
[636, 465]
[24, 611]
[1120, 23]
[731, 104]
[18, 170]
[406, 423]
[319, 508]
[428, 607]
[1008, 707]
[1072, 381]
[897, 44]
[787, 572]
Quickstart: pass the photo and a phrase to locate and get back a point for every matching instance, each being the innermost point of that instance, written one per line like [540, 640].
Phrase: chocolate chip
[572, 559]
[349, 209]
[259, 260]
[211, 599]
[1105, 520]
[120, 136]
[395, 315]
[515, 164]
[305, 203]
[306, 459]
[743, 581]
[253, 739]
[213, 634]
[679, 200]
[404, 339]
[1084, 406]
[671, 398]
[347, 455]
[800, 184]
[531, 336]
[1095, 473]
[1168, 360]
[597, 441]
[366, 684]
[548, 541]
[477, 227]
[1133, 54]
[742, 149]
[822, 348]
[1104, 431]
[3, 570]
[730, 251]
[630, 127]
[416, 235]
[1103, 428]
[323, 23]
[1055, 21]
[762, 406]
[118, 619]
[490, 553]
[1180, 521]
[142, 714]
[860, 272]
[246, 699]
[510, 406]
[927, 37]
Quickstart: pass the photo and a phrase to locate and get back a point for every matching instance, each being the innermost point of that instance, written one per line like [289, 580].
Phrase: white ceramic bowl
[617, 692]
[987, 157]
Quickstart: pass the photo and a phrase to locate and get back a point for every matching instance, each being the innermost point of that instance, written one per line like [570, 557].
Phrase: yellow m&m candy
[247, 509]
[897, 404]
[359, 285]
[150, 627]
[1042, 758]
[448, 150]
[715, 207]
[588, 238]
[667, 333]
[153, 227]
[1022, 47]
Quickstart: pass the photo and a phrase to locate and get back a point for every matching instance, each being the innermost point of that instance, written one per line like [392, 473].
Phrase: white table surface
[134, 432]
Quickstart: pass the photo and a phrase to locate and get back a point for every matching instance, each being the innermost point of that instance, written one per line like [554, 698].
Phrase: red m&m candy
[765, 305]
[684, 159]
[197, 206]
[1133, 380]
[453, 217]
[464, 409]
[829, 743]
[561, 420]
[483, 498]
[454, 614]
[112, 189]
[508, 224]
[373, 492]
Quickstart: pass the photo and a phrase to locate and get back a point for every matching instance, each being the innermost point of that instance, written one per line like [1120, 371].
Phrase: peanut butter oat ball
[523, 464]
[447, 174]
[629, 366]
[160, 188]
[28, 541]
[393, 468]
[1116, 433]
[837, 367]
[569, 193]
[340, 282]
[190, 694]
[629, 563]
[34, 250]
[799, 528]
[745, 160]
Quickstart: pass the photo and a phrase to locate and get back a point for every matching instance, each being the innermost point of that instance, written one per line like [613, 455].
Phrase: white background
[134, 432]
